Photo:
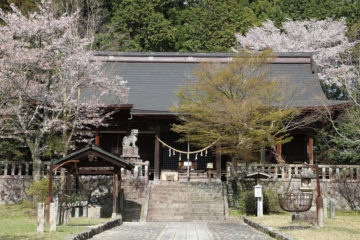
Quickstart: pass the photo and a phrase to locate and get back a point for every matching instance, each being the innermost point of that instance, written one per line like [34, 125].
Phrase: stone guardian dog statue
[131, 139]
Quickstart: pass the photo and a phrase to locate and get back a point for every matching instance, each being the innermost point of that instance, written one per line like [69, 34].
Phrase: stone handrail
[285, 171]
[141, 170]
[24, 169]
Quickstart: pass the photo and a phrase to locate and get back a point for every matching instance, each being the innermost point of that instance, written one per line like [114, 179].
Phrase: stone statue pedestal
[131, 154]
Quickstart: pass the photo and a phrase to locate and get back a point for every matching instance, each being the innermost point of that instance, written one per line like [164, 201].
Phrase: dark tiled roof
[94, 148]
[153, 77]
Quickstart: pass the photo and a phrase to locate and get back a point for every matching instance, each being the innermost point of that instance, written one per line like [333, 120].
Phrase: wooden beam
[311, 149]
[157, 160]
[218, 160]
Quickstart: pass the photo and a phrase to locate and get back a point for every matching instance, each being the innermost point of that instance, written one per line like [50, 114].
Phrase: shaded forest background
[189, 26]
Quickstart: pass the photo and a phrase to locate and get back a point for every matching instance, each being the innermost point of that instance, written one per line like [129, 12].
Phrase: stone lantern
[305, 176]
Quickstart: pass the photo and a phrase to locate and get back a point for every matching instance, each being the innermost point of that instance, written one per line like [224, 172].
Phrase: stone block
[40, 217]
[94, 212]
[304, 217]
[130, 152]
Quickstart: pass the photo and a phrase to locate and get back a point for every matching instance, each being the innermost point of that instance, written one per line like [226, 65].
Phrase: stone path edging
[267, 230]
[98, 229]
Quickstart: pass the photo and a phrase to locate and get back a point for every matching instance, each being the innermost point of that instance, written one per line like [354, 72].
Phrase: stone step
[183, 219]
[188, 214]
[187, 201]
[187, 205]
[192, 197]
[184, 202]
[184, 193]
[185, 212]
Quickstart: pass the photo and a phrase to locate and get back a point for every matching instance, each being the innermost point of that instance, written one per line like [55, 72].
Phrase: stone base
[94, 212]
[130, 152]
[133, 160]
[304, 217]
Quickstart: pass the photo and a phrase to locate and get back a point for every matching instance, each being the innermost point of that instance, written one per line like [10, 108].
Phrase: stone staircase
[186, 201]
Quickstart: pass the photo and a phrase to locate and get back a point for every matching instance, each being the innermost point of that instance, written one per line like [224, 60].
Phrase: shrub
[38, 191]
[247, 202]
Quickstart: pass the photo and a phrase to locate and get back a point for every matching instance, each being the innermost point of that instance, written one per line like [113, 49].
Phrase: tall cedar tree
[238, 104]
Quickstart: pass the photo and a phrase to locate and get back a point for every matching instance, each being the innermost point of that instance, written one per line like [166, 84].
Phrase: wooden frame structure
[93, 160]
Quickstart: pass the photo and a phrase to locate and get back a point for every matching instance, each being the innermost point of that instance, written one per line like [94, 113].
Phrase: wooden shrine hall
[93, 160]
[152, 79]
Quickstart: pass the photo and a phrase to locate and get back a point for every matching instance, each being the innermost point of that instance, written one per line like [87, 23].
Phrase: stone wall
[12, 189]
[337, 187]
[99, 188]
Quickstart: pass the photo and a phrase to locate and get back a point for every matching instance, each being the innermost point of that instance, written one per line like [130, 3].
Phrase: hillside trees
[194, 25]
[50, 84]
[237, 104]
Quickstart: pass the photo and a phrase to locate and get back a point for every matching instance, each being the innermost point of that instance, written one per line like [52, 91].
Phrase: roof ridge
[193, 54]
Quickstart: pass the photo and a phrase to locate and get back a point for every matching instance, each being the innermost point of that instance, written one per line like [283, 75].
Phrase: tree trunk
[62, 172]
[36, 165]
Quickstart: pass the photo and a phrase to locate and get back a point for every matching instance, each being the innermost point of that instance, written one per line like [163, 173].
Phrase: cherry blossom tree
[326, 38]
[49, 81]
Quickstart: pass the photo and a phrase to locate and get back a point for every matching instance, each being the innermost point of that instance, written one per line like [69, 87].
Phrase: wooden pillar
[311, 149]
[97, 139]
[157, 160]
[218, 160]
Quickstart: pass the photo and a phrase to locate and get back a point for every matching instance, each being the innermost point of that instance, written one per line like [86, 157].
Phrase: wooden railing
[286, 171]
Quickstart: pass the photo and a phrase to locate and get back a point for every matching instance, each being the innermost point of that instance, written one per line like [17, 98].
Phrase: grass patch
[344, 227]
[19, 222]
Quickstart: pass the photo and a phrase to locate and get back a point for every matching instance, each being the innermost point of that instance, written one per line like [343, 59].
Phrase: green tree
[237, 104]
[340, 144]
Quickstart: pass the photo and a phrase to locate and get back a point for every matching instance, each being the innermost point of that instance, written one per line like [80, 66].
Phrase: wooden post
[49, 197]
[97, 139]
[218, 160]
[40, 217]
[311, 149]
[157, 160]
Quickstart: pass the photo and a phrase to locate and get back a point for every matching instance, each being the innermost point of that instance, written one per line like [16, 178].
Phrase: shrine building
[154, 77]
